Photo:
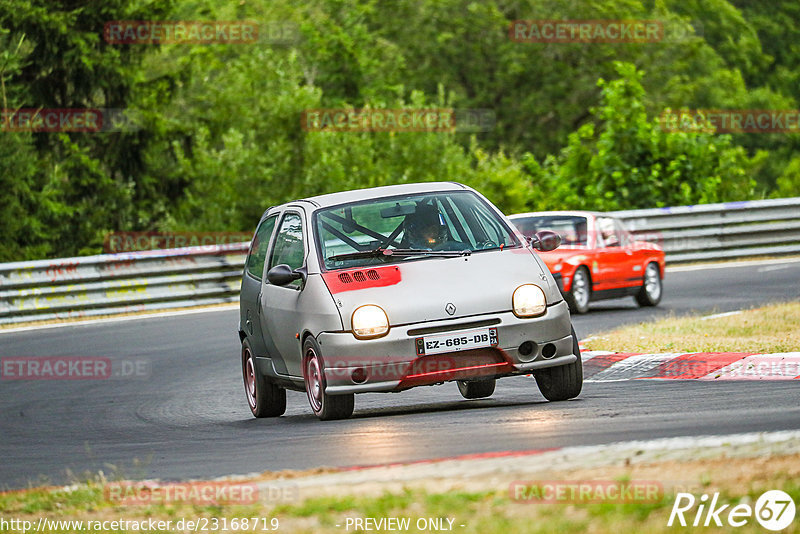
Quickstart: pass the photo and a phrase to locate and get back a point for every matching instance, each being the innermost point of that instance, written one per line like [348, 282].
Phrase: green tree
[630, 161]
[219, 138]
[91, 179]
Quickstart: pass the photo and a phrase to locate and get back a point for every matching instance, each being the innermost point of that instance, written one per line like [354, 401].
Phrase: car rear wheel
[476, 389]
[650, 293]
[562, 382]
[580, 292]
[326, 407]
[264, 398]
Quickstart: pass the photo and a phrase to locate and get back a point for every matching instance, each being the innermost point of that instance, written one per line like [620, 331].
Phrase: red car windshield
[571, 228]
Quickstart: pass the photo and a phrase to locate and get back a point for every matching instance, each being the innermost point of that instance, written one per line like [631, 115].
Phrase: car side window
[258, 248]
[624, 236]
[609, 232]
[288, 247]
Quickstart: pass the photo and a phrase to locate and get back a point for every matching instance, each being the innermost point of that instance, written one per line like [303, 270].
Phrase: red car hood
[562, 255]
[575, 254]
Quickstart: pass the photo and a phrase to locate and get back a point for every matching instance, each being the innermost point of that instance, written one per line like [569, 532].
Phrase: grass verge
[766, 329]
[493, 510]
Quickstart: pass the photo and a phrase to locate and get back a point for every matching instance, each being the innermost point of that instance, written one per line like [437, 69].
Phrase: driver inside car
[608, 233]
[426, 229]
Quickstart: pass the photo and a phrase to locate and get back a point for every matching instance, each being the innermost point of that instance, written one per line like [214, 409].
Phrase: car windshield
[409, 227]
[571, 228]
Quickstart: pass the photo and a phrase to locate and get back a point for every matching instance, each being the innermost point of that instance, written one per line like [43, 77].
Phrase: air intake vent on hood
[362, 279]
[359, 276]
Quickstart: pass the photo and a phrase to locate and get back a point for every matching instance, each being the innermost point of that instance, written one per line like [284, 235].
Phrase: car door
[612, 257]
[280, 317]
[250, 296]
[631, 273]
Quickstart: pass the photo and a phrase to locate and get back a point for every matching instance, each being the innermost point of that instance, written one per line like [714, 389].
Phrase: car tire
[264, 398]
[650, 293]
[326, 407]
[580, 292]
[562, 382]
[476, 389]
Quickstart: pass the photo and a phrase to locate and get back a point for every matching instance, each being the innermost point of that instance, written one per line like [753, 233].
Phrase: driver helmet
[425, 228]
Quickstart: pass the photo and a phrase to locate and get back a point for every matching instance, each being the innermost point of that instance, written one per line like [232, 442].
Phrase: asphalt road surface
[186, 416]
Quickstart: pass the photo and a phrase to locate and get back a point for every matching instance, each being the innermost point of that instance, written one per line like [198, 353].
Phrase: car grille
[452, 327]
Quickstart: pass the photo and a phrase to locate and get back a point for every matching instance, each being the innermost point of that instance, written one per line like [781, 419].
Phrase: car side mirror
[545, 241]
[282, 275]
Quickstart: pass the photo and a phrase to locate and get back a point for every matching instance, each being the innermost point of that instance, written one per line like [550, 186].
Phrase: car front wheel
[326, 407]
[562, 382]
[650, 293]
[264, 398]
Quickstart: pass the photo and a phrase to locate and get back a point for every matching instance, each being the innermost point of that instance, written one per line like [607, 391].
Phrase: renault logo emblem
[450, 308]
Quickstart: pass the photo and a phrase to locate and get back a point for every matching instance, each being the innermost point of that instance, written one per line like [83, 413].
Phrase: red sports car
[598, 258]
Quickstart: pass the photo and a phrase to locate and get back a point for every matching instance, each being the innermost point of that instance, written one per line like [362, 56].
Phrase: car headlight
[529, 301]
[369, 321]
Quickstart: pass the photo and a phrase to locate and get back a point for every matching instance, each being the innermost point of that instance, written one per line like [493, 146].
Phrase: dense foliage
[216, 132]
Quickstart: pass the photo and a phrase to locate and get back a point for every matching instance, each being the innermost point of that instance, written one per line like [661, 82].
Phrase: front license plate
[478, 338]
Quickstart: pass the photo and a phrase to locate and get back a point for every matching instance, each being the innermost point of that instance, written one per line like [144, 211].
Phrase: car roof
[333, 199]
[578, 213]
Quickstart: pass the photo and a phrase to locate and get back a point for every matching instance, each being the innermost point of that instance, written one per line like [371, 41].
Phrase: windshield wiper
[388, 253]
[406, 252]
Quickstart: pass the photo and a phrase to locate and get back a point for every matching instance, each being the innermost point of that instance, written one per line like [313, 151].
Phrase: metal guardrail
[120, 283]
[720, 231]
[161, 279]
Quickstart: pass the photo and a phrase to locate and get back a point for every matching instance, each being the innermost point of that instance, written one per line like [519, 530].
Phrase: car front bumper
[391, 363]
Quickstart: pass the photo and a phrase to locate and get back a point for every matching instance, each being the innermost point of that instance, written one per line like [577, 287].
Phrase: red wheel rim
[313, 377]
[250, 380]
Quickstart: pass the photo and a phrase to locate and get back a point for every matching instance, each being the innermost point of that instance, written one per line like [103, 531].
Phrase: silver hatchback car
[394, 287]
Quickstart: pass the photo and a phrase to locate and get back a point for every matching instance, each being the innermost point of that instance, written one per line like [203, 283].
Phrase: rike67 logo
[774, 510]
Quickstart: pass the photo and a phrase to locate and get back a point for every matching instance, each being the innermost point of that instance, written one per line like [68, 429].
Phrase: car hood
[648, 245]
[417, 291]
